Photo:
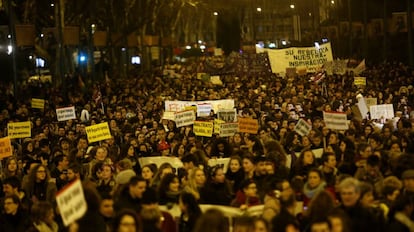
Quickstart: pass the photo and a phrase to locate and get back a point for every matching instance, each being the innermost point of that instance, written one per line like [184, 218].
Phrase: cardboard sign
[203, 128]
[38, 103]
[17, 130]
[67, 113]
[309, 58]
[335, 121]
[215, 80]
[385, 111]
[71, 202]
[228, 129]
[203, 110]
[248, 125]
[5, 148]
[360, 81]
[362, 106]
[302, 127]
[158, 160]
[217, 123]
[184, 118]
[98, 132]
[227, 115]
[169, 115]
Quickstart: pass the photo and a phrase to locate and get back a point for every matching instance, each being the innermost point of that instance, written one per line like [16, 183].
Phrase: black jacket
[19, 222]
[126, 201]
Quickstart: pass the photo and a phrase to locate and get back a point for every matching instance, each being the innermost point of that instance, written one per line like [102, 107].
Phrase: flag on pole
[360, 68]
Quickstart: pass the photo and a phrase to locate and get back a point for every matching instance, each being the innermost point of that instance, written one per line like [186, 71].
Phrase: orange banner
[248, 125]
[5, 148]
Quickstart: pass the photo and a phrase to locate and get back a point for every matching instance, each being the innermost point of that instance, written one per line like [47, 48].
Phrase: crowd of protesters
[363, 181]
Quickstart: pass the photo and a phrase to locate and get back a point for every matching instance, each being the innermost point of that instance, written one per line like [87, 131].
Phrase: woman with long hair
[237, 141]
[248, 166]
[179, 150]
[43, 217]
[163, 170]
[217, 190]
[319, 207]
[303, 164]
[315, 183]
[12, 169]
[106, 180]
[126, 221]
[190, 212]
[254, 145]
[234, 173]
[196, 180]
[169, 189]
[148, 172]
[38, 186]
[28, 150]
[129, 152]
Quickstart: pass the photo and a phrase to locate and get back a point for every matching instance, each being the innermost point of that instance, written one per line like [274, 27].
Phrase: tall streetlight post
[12, 45]
[350, 27]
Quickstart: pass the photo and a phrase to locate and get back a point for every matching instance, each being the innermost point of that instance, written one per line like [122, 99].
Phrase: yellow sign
[17, 130]
[193, 108]
[248, 125]
[203, 128]
[38, 103]
[98, 132]
[360, 81]
[5, 147]
[217, 125]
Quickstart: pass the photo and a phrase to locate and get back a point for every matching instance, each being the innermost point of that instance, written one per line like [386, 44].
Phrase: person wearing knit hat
[164, 148]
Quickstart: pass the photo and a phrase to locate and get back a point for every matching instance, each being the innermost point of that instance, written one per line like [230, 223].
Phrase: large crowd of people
[362, 181]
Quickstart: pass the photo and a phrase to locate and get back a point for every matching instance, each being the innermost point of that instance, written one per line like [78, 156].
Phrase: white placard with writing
[385, 111]
[177, 106]
[302, 127]
[228, 129]
[184, 118]
[168, 115]
[71, 202]
[335, 121]
[203, 110]
[67, 113]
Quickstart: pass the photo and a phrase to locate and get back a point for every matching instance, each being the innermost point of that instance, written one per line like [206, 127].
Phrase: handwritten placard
[98, 132]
